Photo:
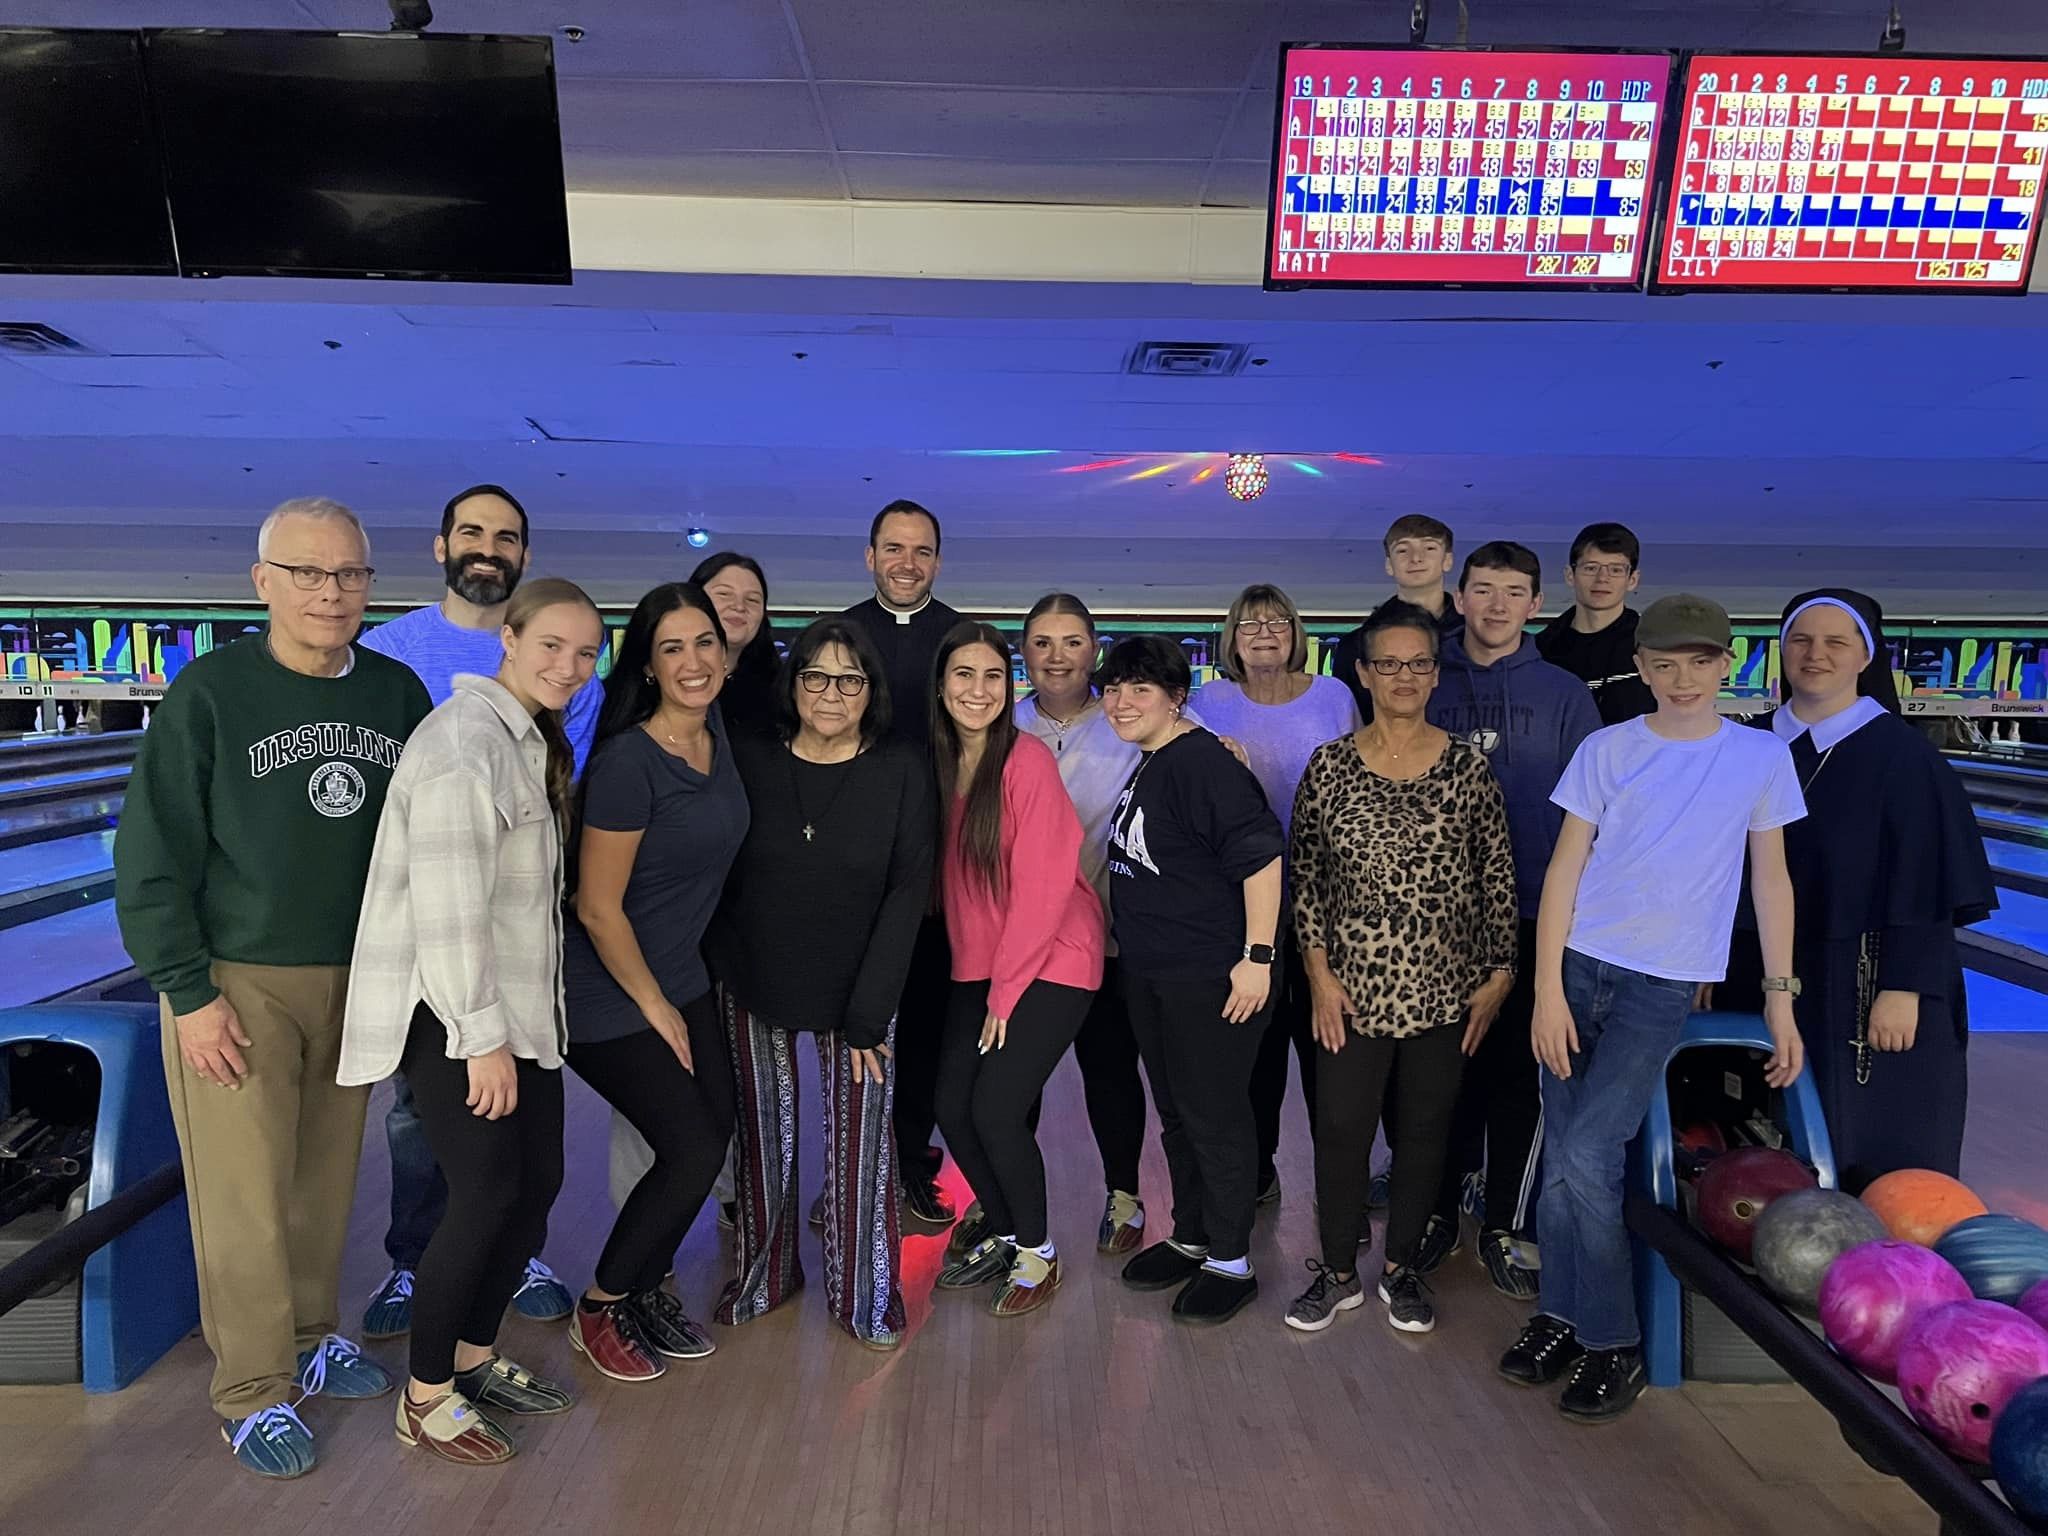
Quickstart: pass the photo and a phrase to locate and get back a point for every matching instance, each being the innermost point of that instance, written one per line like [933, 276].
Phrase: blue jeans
[1628, 1024]
[419, 1195]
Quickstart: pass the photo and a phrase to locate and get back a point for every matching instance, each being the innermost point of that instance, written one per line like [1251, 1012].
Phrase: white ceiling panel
[1110, 183]
[694, 115]
[1023, 125]
[699, 173]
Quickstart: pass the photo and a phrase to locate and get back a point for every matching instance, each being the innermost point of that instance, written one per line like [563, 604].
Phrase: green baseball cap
[1681, 621]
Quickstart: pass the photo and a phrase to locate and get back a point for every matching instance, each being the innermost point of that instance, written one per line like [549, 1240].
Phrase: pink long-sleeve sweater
[1044, 923]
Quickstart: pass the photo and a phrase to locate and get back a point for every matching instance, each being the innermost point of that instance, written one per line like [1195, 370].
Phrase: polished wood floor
[1096, 1416]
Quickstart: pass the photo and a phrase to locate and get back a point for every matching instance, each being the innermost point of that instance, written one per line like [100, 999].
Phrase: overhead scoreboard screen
[1432, 167]
[1874, 172]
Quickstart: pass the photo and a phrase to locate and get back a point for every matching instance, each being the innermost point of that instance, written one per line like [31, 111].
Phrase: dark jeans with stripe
[1499, 1108]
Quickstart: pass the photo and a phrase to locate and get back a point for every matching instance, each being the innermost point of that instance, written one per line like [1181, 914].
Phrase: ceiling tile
[653, 116]
[1024, 125]
[1082, 44]
[1238, 184]
[1120, 183]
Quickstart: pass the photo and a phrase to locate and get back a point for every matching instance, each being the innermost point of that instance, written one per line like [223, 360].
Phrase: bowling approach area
[1113, 1420]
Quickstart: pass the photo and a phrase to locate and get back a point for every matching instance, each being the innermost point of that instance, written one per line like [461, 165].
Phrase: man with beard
[906, 623]
[482, 548]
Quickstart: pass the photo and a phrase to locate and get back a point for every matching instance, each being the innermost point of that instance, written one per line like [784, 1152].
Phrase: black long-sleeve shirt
[909, 644]
[815, 932]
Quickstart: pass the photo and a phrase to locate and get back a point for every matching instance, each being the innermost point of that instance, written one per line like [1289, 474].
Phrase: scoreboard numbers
[1431, 167]
[1813, 172]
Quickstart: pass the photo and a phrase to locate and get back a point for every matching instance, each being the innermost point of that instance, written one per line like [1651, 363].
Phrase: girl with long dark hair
[738, 589]
[457, 982]
[814, 936]
[1026, 932]
[663, 812]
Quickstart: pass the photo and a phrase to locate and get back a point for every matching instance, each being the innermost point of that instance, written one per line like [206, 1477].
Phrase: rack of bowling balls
[1916, 1284]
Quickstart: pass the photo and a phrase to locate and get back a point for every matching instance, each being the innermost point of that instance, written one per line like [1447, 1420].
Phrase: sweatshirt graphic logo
[328, 739]
[336, 789]
[1128, 836]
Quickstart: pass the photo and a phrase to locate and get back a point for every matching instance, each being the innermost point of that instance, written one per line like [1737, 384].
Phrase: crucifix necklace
[796, 788]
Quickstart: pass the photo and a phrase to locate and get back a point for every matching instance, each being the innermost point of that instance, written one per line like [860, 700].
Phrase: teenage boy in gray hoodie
[1495, 690]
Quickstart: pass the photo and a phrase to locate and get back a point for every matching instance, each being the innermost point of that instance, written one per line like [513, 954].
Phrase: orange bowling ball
[1917, 1205]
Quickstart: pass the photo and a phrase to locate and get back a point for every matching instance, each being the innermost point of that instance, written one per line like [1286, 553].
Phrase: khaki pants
[270, 1175]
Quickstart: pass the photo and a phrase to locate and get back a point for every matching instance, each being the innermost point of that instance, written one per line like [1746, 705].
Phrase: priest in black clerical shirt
[906, 623]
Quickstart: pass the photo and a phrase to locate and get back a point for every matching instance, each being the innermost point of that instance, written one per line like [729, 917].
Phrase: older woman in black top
[1194, 879]
[1404, 907]
[814, 937]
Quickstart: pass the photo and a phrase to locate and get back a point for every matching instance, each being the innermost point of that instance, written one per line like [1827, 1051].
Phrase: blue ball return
[140, 1293]
[1653, 1171]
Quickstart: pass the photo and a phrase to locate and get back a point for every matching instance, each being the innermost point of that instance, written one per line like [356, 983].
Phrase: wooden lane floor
[1097, 1415]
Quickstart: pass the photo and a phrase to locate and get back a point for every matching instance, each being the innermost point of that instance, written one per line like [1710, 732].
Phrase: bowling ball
[1917, 1205]
[2002, 1257]
[2035, 1303]
[2019, 1451]
[1704, 1138]
[1801, 1233]
[1961, 1364]
[1874, 1293]
[1739, 1185]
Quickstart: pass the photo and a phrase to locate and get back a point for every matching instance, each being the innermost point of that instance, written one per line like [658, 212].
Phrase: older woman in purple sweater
[1271, 706]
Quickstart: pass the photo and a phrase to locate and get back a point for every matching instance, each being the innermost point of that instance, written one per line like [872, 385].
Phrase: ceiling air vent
[36, 340]
[1188, 359]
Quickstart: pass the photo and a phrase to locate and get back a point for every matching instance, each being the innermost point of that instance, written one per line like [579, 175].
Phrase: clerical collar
[903, 615]
[1838, 727]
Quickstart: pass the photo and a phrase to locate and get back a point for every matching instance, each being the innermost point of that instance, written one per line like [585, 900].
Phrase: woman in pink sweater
[1027, 936]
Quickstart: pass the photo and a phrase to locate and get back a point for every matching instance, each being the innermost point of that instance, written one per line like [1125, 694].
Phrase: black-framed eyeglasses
[311, 578]
[849, 684]
[1611, 568]
[1387, 666]
[1270, 626]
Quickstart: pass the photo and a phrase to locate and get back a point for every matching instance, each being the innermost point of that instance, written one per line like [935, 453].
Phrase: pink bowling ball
[2035, 1303]
[1959, 1366]
[1874, 1293]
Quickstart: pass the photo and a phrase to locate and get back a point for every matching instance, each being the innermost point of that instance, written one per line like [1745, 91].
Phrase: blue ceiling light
[698, 537]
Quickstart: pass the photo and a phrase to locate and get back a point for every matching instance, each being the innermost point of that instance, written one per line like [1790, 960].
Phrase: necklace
[796, 788]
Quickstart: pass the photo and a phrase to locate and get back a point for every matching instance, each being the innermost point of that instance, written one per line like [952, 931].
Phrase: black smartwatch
[1259, 954]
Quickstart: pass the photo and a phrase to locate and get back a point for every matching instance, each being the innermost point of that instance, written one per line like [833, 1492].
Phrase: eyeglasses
[1387, 666]
[849, 684]
[311, 578]
[1614, 568]
[1270, 626]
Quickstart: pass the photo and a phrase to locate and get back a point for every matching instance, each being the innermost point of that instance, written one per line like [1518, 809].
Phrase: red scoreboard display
[1431, 167]
[1872, 172]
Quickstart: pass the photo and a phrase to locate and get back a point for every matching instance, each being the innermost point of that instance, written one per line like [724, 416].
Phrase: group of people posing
[1473, 883]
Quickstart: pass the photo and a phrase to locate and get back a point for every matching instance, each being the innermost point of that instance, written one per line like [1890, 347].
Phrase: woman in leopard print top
[1404, 906]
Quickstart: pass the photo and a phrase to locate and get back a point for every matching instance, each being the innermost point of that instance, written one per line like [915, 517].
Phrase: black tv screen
[395, 155]
[81, 189]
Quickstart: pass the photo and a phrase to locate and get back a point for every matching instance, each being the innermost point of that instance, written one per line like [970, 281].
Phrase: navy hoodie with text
[1528, 717]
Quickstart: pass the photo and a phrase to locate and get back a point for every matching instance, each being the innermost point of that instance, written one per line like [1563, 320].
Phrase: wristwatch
[1259, 954]
[1788, 984]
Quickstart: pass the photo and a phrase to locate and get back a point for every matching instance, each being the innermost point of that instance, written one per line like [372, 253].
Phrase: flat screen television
[1445, 167]
[1856, 173]
[81, 186]
[399, 155]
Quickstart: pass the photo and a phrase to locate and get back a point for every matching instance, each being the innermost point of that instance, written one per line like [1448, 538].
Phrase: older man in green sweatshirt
[238, 871]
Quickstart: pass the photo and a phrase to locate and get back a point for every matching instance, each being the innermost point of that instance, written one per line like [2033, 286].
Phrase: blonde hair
[528, 599]
[320, 509]
[1260, 595]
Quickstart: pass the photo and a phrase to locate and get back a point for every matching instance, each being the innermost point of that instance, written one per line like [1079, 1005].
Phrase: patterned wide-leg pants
[863, 1245]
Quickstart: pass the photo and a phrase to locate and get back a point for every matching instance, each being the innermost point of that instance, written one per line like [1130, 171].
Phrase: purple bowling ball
[1875, 1292]
[1960, 1365]
[2035, 1303]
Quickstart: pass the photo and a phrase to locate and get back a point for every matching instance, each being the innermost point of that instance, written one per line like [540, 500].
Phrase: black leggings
[920, 1026]
[1290, 1025]
[985, 1101]
[1200, 1068]
[1352, 1084]
[1107, 1053]
[502, 1175]
[686, 1118]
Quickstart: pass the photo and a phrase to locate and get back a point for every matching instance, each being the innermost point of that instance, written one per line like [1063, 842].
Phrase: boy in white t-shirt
[1637, 907]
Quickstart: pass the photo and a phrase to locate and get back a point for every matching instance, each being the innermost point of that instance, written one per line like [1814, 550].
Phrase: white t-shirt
[1673, 820]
